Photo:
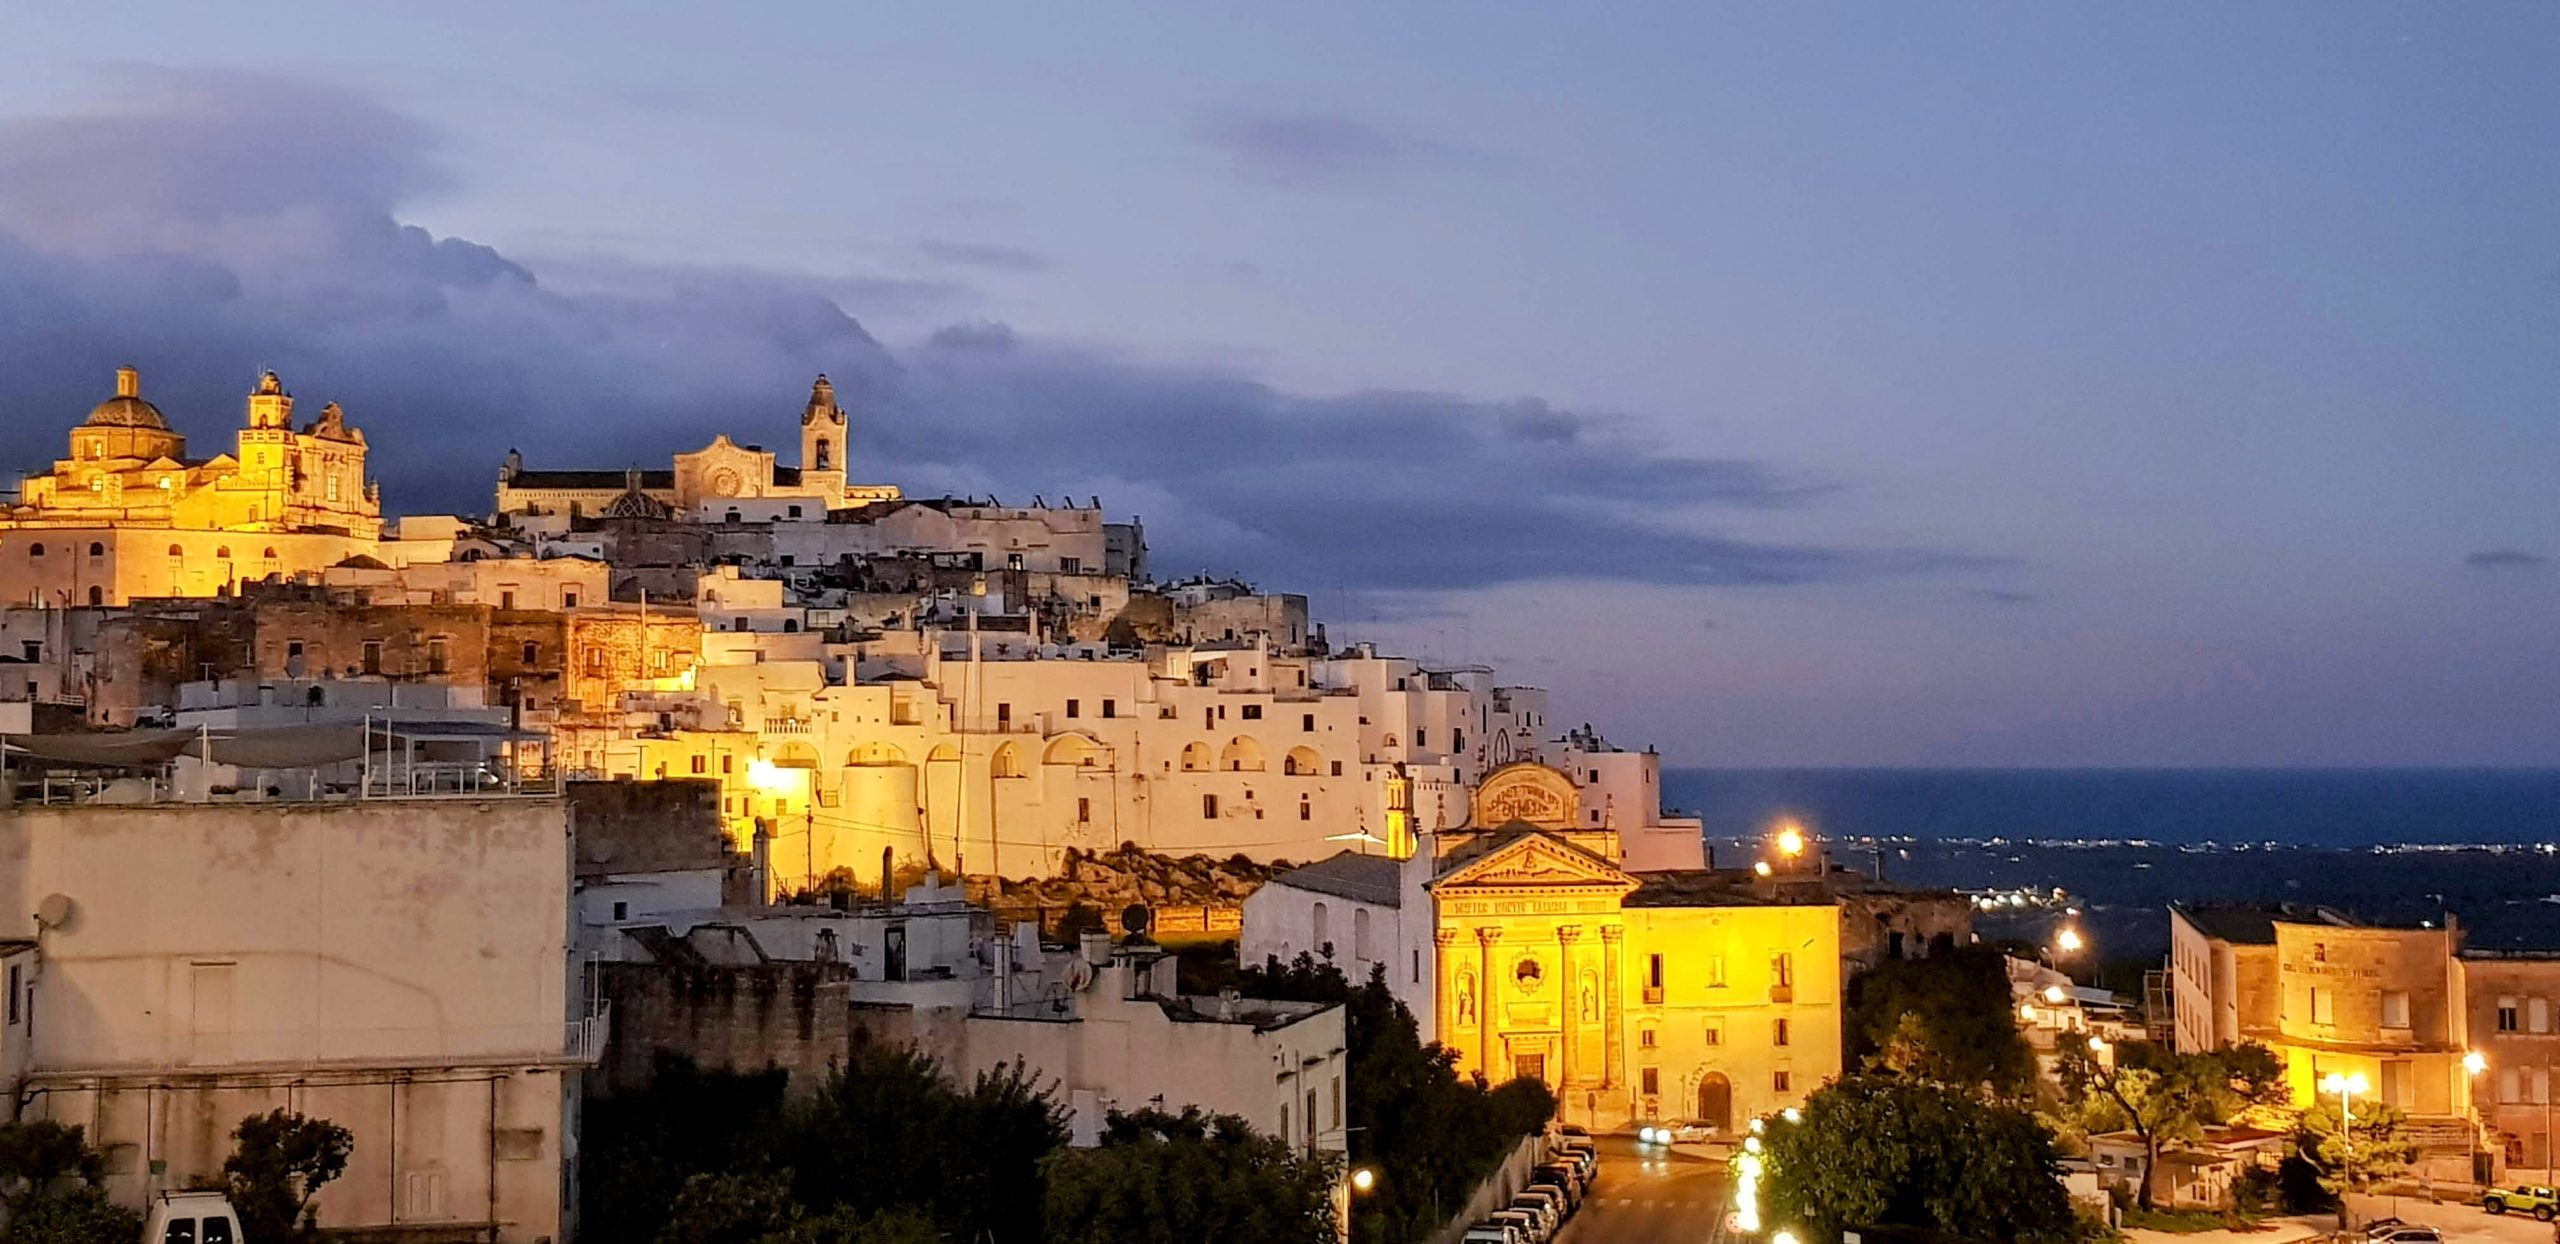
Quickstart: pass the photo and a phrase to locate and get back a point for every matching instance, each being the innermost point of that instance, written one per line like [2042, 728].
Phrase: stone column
[1487, 992]
[1566, 936]
[1444, 997]
[1612, 1001]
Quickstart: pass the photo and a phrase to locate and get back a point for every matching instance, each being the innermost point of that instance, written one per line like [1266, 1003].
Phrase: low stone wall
[1504, 1183]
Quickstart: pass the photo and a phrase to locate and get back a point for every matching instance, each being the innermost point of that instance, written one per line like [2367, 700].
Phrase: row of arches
[35, 551]
[1241, 755]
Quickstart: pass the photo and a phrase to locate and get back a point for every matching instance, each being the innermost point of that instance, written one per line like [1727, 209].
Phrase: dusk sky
[1903, 385]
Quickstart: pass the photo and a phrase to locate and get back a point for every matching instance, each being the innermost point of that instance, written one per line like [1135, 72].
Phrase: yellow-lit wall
[1720, 1004]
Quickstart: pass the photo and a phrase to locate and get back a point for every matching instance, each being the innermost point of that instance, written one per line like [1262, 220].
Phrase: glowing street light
[2346, 1087]
[1762, 868]
[2054, 994]
[2069, 941]
[2027, 1011]
[1792, 1115]
[1790, 840]
[1363, 1178]
[2475, 1062]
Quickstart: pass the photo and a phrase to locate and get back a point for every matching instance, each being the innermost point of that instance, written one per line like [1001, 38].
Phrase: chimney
[1096, 949]
[1004, 974]
[128, 382]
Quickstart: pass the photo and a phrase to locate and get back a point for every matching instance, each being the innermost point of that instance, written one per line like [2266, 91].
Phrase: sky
[1978, 385]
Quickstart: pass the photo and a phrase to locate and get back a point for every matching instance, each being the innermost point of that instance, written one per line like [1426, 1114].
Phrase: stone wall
[794, 1016]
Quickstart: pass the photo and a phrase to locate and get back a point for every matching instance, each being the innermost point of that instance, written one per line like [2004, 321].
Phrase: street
[1649, 1196]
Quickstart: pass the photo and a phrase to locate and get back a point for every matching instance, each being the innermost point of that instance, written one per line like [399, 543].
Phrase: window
[568, 598]
[1111, 708]
[177, 551]
[1253, 712]
[96, 550]
[373, 656]
[2319, 952]
[222, 552]
[1782, 970]
[795, 513]
[533, 654]
[728, 764]
[1653, 971]
[1715, 971]
[269, 553]
[2395, 1009]
[1417, 965]
[2507, 1015]
[1781, 1082]
[621, 910]
[2537, 1015]
[1645, 1038]
[35, 551]
[1084, 810]
[1307, 723]
[1778, 1033]
[437, 659]
[1712, 1035]
[1306, 810]
[2510, 1086]
[2324, 1005]
[97, 596]
[1004, 714]
[1418, 739]
[1457, 740]
[1208, 807]
[701, 764]
[507, 599]
[1653, 1082]
[1075, 708]
[13, 992]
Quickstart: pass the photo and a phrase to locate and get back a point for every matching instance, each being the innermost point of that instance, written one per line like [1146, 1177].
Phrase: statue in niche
[1590, 999]
[1466, 999]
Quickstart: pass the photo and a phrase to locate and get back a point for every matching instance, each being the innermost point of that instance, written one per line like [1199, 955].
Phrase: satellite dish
[1079, 976]
[1135, 918]
[53, 910]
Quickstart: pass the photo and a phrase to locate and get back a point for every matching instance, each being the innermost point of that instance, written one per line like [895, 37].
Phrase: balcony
[1782, 993]
[786, 725]
[583, 1040]
[1653, 995]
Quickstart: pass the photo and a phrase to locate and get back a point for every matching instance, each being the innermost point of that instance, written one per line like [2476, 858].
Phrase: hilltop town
[460, 831]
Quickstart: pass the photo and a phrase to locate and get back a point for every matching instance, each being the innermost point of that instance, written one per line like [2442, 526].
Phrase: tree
[735, 1208]
[639, 1149]
[49, 1183]
[1947, 1017]
[888, 1131]
[2353, 1159]
[2162, 1095]
[1894, 1151]
[281, 1160]
[1160, 1176]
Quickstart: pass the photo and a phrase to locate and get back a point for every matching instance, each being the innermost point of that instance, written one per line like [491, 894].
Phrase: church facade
[130, 514]
[1524, 944]
[722, 481]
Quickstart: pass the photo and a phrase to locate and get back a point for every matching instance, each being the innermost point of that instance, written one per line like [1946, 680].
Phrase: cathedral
[129, 514]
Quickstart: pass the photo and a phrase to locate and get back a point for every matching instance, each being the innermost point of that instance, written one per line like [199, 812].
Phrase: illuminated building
[722, 481]
[129, 514]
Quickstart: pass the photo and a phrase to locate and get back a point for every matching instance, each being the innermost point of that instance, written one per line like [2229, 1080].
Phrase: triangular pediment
[1535, 861]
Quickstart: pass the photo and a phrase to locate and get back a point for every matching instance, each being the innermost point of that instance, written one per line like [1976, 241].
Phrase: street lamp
[1790, 840]
[1363, 1178]
[2473, 1063]
[2346, 1087]
[2068, 941]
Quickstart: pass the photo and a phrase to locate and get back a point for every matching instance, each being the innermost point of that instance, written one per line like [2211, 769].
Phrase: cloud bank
[218, 224]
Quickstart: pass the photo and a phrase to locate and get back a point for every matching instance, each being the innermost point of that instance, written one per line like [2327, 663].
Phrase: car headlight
[1644, 1135]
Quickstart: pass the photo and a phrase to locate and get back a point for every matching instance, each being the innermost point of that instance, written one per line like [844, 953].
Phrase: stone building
[711, 482]
[130, 514]
[399, 968]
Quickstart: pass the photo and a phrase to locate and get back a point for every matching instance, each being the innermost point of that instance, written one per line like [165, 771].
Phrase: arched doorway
[1715, 1101]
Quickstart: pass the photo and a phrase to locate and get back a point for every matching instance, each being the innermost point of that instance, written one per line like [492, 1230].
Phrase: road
[1649, 1197]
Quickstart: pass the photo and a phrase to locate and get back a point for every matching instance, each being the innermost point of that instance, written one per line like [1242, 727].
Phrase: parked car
[2382, 1226]
[1549, 1197]
[192, 1218]
[2536, 1199]
[1691, 1132]
[1563, 1179]
[1491, 1233]
[1522, 1221]
[1584, 1162]
[2408, 1233]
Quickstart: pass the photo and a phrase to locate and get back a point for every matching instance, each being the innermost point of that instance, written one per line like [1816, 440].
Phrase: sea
[2111, 848]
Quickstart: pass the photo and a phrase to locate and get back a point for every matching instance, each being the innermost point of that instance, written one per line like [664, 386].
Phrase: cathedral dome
[127, 409]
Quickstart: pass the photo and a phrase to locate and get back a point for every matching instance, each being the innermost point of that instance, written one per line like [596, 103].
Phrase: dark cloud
[990, 255]
[1315, 147]
[2504, 559]
[447, 353]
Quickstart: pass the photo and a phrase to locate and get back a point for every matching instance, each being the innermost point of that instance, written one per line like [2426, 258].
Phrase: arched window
[1241, 755]
[1007, 762]
[1360, 933]
[1323, 926]
[1070, 749]
[790, 626]
[826, 453]
[223, 553]
[1301, 762]
[97, 596]
[270, 554]
[1195, 758]
[176, 550]
[97, 549]
[35, 551]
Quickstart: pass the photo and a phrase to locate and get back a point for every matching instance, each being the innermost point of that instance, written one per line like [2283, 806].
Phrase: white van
[192, 1218]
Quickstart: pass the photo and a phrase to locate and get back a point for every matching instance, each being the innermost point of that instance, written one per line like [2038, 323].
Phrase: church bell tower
[822, 442]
